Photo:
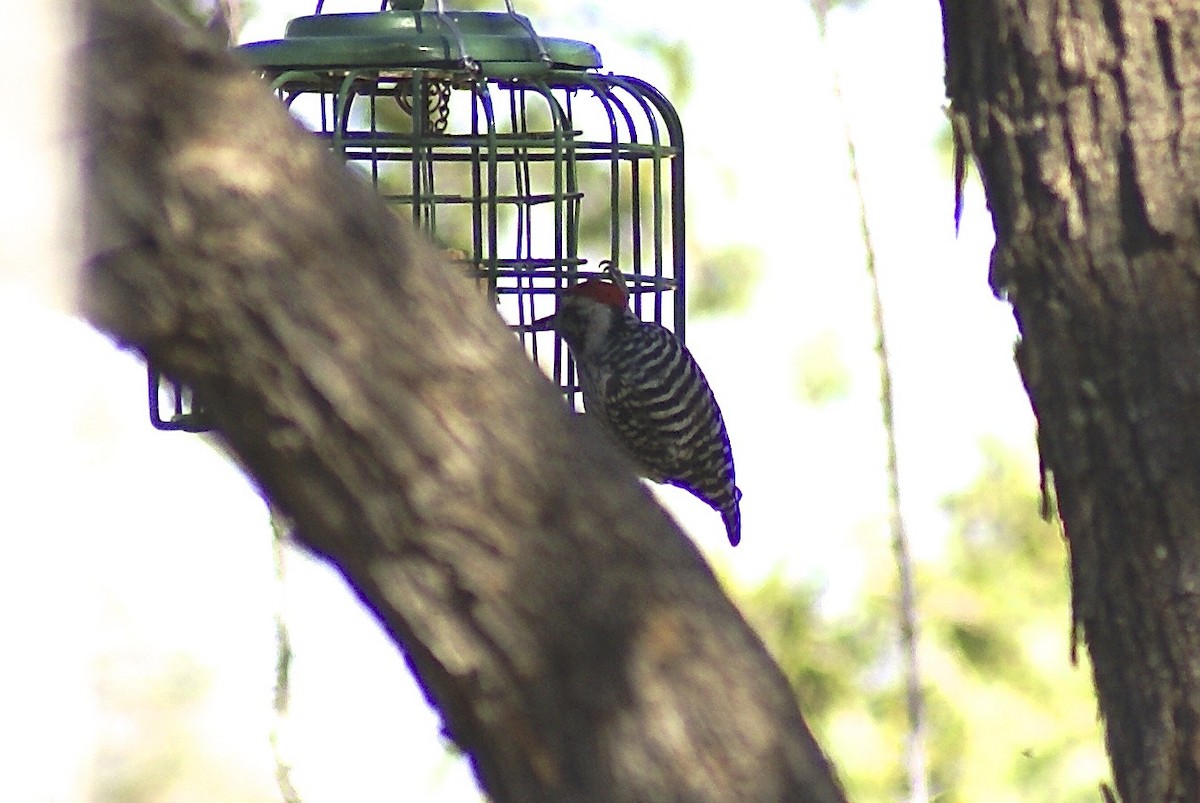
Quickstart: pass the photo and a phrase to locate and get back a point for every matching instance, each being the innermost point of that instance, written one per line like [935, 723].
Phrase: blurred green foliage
[198, 12]
[151, 744]
[943, 146]
[675, 57]
[1008, 717]
[190, 10]
[822, 8]
[723, 280]
[821, 373]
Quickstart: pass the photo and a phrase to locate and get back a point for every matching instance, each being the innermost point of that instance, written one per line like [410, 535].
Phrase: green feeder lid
[501, 44]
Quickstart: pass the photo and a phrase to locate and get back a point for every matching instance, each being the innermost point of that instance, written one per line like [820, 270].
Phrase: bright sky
[123, 542]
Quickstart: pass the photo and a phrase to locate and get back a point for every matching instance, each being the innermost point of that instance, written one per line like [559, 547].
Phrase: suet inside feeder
[513, 151]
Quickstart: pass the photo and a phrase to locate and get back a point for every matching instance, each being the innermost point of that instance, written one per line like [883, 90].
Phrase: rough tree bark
[574, 640]
[1084, 118]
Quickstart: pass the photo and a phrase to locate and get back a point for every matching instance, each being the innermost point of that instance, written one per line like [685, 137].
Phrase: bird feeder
[524, 162]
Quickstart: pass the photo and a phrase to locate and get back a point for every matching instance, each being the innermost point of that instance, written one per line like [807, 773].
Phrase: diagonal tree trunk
[575, 642]
[1084, 118]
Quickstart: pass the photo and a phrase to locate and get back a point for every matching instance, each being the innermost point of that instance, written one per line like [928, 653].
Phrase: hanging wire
[465, 57]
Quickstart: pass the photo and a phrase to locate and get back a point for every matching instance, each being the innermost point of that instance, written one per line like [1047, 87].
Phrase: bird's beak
[540, 325]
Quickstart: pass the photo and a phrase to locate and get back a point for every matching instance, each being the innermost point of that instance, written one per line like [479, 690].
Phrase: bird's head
[585, 313]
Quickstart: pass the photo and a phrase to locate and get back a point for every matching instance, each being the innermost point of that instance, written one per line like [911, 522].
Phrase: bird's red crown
[600, 290]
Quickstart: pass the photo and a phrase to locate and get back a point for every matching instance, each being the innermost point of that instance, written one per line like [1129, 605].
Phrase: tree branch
[574, 640]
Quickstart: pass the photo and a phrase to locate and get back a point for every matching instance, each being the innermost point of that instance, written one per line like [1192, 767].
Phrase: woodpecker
[645, 388]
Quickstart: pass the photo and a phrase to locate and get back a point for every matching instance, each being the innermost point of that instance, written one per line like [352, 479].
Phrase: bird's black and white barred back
[643, 385]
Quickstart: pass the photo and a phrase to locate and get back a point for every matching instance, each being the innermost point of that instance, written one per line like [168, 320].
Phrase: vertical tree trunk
[576, 644]
[1084, 118]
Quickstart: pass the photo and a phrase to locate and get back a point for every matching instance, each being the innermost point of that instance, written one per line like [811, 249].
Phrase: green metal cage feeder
[512, 150]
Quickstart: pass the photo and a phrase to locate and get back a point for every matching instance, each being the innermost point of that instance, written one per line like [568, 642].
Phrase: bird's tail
[732, 516]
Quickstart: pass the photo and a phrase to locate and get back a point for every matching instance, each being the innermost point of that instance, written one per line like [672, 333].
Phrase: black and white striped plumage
[645, 388]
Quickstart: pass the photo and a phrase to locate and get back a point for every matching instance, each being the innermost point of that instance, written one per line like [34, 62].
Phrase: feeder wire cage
[529, 167]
